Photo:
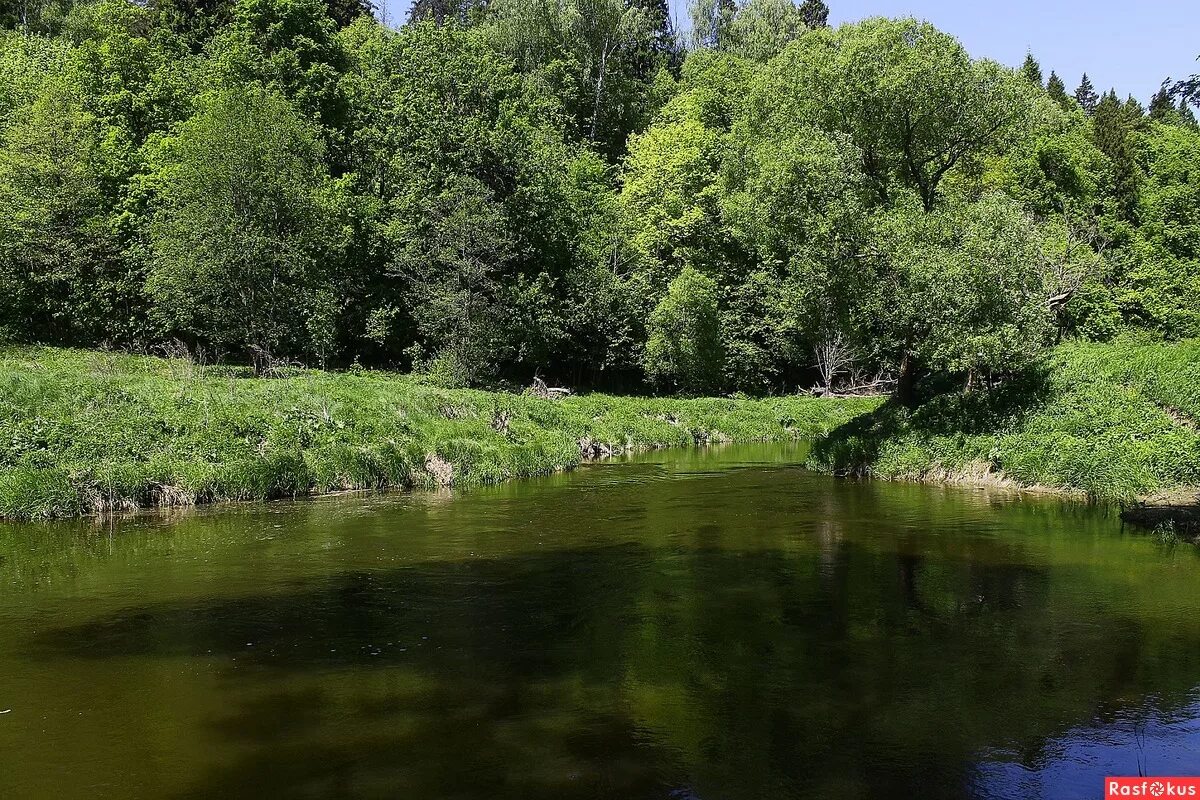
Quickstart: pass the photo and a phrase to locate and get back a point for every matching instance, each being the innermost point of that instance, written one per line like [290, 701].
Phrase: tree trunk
[906, 386]
[599, 89]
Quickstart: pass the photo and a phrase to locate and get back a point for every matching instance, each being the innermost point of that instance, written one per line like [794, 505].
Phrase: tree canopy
[506, 188]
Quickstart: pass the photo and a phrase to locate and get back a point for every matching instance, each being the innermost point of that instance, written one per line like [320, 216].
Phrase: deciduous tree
[246, 237]
[909, 96]
[684, 346]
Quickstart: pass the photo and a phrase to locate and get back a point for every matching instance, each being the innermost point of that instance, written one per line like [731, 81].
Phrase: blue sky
[1130, 46]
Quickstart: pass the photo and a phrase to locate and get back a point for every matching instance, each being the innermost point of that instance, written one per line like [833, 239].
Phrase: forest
[574, 189]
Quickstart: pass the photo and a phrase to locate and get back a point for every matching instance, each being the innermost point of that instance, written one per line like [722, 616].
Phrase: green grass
[84, 432]
[1113, 421]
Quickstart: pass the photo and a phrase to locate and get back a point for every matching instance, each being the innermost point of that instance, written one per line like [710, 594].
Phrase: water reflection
[1141, 740]
[705, 625]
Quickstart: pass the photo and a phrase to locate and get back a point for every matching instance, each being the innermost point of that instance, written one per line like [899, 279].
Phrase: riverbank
[91, 432]
[1112, 422]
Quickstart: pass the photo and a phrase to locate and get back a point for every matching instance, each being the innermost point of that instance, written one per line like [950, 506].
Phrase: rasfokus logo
[1151, 787]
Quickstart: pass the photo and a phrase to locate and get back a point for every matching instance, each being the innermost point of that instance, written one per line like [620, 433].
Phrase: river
[713, 624]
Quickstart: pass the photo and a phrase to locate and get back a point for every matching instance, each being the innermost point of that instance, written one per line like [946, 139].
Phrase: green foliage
[969, 294]
[245, 226]
[59, 268]
[795, 200]
[1085, 95]
[763, 28]
[815, 13]
[443, 11]
[1054, 168]
[1162, 107]
[1057, 90]
[524, 187]
[288, 46]
[757, 30]
[1186, 115]
[26, 64]
[1161, 289]
[503, 189]
[486, 214]
[684, 345]
[908, 96]
[598, 58]
[710, 21]
[671, 196]
[45, 17]
[1032, 70]
[73, 120]
[794, 197]
[1112, 125]
[449, 260]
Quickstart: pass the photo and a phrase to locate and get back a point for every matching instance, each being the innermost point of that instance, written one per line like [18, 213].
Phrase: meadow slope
[84, 432]
[1114, 421]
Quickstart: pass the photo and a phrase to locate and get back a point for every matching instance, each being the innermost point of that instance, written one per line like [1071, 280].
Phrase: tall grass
[1114, 421]
[86, 432]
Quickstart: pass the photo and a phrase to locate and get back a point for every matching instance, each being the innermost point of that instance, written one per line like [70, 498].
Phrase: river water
[700, 625]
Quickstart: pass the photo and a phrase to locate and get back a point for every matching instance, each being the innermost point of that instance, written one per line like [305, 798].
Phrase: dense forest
[570, 188]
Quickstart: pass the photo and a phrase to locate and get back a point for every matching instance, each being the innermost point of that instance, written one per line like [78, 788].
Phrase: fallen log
[540, 389]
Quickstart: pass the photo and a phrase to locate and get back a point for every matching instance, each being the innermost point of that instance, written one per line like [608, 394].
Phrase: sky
[1128, 46]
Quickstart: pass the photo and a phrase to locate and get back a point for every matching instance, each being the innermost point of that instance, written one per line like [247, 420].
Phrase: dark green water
[708, 625]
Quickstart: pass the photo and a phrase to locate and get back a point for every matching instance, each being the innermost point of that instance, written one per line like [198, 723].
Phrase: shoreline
[95, 432]
[1172, 513]
[1091, 420]
[1179, 506]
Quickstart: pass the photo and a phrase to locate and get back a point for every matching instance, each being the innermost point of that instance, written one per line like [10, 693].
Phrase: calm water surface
[690, 626]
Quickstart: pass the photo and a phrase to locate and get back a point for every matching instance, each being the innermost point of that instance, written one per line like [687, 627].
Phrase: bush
[684, 346]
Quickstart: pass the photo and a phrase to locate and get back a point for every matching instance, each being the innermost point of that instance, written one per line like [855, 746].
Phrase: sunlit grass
[83, 432]
[1113, 421]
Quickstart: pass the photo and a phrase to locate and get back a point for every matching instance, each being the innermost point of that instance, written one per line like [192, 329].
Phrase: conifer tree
[1108, 128]
[1085, 95]
[663, 48]
[1135, 112]
[1162, 108]
[815, 14]
[1032, 70]
[442, 11]
[1186, 114]
[1058, 90]
[1112, 122]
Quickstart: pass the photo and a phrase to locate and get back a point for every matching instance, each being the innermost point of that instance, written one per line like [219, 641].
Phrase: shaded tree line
[505, 187]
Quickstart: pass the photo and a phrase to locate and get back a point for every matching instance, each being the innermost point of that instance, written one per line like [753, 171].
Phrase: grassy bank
[1112, 421]
[84, 432]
